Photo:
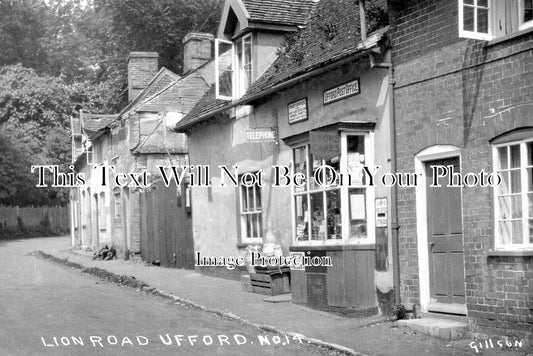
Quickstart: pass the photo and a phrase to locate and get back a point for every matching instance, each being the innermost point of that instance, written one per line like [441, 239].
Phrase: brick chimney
[197, 50]
[142, 67]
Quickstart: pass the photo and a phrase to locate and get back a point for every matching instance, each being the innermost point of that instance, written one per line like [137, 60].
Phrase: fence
[34, 217]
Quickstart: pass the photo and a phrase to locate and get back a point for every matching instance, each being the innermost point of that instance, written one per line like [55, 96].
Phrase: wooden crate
[270, 284]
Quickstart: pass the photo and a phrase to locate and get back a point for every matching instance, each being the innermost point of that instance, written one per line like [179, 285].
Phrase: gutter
[275, 88]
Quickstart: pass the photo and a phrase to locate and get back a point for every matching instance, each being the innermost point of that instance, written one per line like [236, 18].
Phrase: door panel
[445, 238]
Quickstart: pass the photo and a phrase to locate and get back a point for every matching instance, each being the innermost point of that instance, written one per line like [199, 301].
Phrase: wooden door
[445, 238]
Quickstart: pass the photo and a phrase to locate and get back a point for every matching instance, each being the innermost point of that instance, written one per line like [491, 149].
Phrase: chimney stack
[142, 67]
[197, 50]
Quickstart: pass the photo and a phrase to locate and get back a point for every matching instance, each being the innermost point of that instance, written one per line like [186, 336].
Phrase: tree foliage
[35, 115]
[60, 56]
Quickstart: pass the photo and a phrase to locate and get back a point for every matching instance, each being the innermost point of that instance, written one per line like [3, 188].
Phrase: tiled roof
[91, 123]
[331, 35]
[317, 55]
[206, 105]
[284, 12]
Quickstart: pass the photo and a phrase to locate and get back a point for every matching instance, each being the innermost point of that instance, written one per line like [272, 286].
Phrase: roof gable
[239, 15]
[234, 15]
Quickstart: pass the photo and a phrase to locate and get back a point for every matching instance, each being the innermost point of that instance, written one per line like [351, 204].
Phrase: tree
[35, 115]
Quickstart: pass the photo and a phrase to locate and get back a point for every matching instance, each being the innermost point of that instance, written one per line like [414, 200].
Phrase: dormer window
[233, 66]
[490, 19]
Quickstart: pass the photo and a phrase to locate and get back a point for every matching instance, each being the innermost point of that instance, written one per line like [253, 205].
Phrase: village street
[45, 306]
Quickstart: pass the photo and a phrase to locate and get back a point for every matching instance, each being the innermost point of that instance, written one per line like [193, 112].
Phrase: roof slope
[92, 123]
[331, 35]
[284, 12]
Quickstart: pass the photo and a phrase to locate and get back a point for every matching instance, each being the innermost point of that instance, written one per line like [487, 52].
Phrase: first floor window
[489, 19]
[514, 196]
[251, 213]
[332, 206]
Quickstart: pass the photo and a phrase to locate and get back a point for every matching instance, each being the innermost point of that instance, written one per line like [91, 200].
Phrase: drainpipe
[362, 19]
[394, 191]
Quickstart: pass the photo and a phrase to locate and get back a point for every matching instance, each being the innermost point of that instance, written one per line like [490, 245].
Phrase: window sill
[300, 248]
[512, 253]
[509, 37]
[246, 244]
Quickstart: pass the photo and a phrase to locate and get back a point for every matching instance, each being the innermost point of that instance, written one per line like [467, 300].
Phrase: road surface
[49, 309]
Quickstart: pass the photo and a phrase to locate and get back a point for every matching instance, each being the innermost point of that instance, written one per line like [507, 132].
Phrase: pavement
[226, 298]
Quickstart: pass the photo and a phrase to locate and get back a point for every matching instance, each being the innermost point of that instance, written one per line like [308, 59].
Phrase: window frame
[238, 63]
[244, 214]
[498, 245]
[344, 195]
[523, 25]
[240, 87]
[474, 34]
[219, 41]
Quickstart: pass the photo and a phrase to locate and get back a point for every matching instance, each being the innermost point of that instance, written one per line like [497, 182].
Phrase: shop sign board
[260, 135]
[325, 144]
[341, 91]
[297, 111]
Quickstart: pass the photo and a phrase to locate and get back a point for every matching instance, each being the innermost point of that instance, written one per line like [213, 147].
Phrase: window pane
[357, 206]
[516, 180]
[244, 198]
[259, 222]
[517, 232]
[333, 201]
[469, 2]
[247, 59]
[504, 232]
[483, 20]
[302, 218]
[483, 3]
[503, 187]
[502, 157]
[224, 62]
[504, 208]
[250, 194]
[300, 165]
[530, 204]
[516, 201]
[527, 12]
[468, 18]
[257, 192]
[317, 210]
[313, 185]
[249, 226]
[529, 179]
[529, 146]
[531, 231]
[515, 156]
[356, 158]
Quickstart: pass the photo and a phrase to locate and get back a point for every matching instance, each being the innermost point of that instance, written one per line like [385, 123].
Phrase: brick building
[464, 99]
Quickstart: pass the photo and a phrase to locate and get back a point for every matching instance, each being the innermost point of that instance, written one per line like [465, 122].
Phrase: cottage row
[324, 90]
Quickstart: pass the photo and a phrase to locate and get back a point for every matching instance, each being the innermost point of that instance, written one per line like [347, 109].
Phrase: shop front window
[336, 210]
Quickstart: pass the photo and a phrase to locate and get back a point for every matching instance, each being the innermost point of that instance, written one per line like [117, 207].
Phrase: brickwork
[142, 67]
[452, 91]
[197, 50]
